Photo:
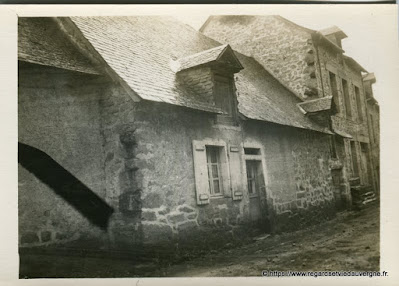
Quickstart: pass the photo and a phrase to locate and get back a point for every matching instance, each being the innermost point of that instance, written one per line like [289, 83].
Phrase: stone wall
[299, 179]
[332, 61]
[284, 48]
[299, 175]
[159, 170]
[59, 114]
[197, 81]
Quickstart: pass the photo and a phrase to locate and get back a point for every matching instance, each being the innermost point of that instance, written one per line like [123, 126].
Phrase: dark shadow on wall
[65, 184]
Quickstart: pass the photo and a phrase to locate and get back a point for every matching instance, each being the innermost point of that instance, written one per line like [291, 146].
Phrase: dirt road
[349, 242]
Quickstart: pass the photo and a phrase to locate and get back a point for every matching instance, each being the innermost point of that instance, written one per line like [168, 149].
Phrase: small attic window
[222, 63]
[225, 99]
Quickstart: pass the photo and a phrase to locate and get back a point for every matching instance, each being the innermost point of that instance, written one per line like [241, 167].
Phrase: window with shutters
[211, 170]
[214, 170]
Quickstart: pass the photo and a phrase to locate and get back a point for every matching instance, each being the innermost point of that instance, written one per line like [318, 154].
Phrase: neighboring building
[373, 119]
[314, 66]
[130, 136]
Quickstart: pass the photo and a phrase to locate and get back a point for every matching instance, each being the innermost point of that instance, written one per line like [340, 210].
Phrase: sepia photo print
[247, 145]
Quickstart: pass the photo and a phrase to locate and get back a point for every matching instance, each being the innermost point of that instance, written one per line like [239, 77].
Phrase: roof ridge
[294, 24]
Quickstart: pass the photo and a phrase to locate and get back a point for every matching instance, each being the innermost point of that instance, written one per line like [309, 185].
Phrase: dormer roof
[354, 63]
[222, 54]
[316, 105]
[334, 30]
[369, 77]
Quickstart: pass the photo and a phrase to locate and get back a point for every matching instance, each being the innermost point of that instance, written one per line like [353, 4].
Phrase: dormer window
[225, 99]
[208, 76]
[334, 34]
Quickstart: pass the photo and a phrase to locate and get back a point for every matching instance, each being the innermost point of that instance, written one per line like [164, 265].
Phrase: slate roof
[263, 97]
[140, 49]
[316, 105]
[40, 42]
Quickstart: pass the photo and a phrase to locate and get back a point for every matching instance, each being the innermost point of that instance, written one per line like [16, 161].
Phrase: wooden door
[255, 183]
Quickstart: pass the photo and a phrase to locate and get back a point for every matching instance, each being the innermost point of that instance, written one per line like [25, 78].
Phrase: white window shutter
[235, 172]
[200, 173]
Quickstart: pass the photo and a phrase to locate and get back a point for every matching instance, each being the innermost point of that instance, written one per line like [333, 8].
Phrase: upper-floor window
[348, 105]
[225, 99]
[334, 89]
[359, 104]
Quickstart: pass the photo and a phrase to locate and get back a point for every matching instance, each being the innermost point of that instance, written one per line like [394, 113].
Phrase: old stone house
[373, 120]
[141, 131]
[330, 84]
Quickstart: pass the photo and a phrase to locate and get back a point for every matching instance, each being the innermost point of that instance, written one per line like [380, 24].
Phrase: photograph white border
[380, 21]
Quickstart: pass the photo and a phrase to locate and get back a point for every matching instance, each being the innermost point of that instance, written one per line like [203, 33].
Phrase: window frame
[259, 158]
[224, 169]
[359, 105]
[210, 165]
[334, 87]
[254, 180]
[232, 117]
[347, 98]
